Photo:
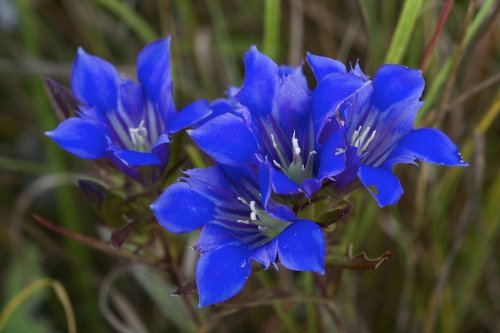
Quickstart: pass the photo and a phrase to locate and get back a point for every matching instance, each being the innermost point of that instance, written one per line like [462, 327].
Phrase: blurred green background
[445, 273]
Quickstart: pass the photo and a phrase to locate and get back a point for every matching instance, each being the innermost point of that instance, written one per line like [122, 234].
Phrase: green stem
[135, 22]
[312, 325]
[406, 23]
[223, 40]
[271, 28]
[285, 317]
[440, 79]
[67, 207]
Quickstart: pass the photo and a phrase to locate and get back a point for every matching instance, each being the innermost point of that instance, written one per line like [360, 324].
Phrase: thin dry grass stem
[468, 215]
[106, 293]
[478, 88]
[295, 53]
[457, 58]
[93, 243]
[443, 17]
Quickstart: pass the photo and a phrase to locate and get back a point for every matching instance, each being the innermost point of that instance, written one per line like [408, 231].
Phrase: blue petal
[209, 181]
[213, 237]
[131, 101]
[153, 69]
[190, 115]
[221, 274]
[330, 93]
[296, 73]
[322, 66]
[265, 182]
[181, 209]
[162, 149]
[281, 184]
[292, 107]
[220, 106]
[81, 138]
[227, 139]
[333, 158]
[259, 85]
[428, 145]
[310, 186]
[301, 247]
[132, 158]
[95, 81]
[265, 254]
[396, 83]
[387, 190]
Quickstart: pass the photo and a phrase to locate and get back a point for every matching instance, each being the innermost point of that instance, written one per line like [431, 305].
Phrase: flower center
[139, 137]
[267, 224]
[296, 169]
[361, 140]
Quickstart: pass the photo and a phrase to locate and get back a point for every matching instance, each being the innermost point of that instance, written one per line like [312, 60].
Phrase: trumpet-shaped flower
[127, 122]
[237, 229]
[377, 125]
[272, 123]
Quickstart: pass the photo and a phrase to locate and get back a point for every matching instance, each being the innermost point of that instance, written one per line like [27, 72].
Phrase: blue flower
[127, 122]
[377, 124]
[272, 124]
[237, 229]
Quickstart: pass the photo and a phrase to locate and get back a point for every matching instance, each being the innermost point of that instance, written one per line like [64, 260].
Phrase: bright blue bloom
[377, 124]
[127, 122]
[272, 123]
[226, 202]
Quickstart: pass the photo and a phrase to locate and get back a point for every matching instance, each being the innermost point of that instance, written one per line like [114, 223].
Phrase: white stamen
[295, 145]
[275, 145]
[370, 139]
[360, 140]
[276, 164]
[355, 136]
[252, 206]
[253, 216]
[365, 132]
[138, 135]
[240, 199]
[243, 221]
[339, 151]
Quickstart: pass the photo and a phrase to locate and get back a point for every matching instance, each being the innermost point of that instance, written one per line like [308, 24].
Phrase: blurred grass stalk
[406, 23]
[223, 41]
[32, 288]
[135, 22]
[66, 204]
[271, 39]
[442, 76]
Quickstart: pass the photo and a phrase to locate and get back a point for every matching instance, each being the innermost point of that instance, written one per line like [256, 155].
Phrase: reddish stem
[443, 17]
[90, 242]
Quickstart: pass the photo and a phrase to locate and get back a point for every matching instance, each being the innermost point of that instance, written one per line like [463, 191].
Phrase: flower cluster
[126, 122]
[275, 142]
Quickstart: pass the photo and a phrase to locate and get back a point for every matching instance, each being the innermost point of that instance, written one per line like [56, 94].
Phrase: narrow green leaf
[406, 23]
[271, 28]
[438, 82]
[160, 292]
[223, 40]
[135, 22]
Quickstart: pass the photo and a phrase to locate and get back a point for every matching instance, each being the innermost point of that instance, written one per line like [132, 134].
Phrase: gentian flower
[127, 122]
[377, 125]
[237, 229]
[272, 124]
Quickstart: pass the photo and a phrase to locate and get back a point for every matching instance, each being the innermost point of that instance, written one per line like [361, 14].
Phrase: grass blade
[136, 23]
[29, 290]
[271, 28]
[406, 23]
